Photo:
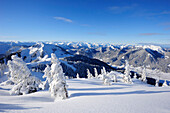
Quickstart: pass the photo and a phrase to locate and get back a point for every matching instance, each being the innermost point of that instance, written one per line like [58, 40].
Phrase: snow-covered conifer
[164, 84]
[47, 75]
[101, 72]
[127, 68]
[126, 77]
[112, 76]
[21, 76]
[95, 72]
[104, 71]
[106, 80]
[58, 84]
[77, 76]
[143, 78]
[109, 77]
[135, 76]
[18, 69]
[29, 85]
[157, 83]
[115, 78]
[67, 77]
[89, 75]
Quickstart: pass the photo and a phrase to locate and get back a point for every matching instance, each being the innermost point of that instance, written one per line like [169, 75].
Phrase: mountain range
[76, 57]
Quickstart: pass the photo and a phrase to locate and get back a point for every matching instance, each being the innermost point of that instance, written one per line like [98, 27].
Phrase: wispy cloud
[96, 33]
[159, 13]
[63, 19]
[150, 34]
[121, 9]
[153, 14]
[150, 14]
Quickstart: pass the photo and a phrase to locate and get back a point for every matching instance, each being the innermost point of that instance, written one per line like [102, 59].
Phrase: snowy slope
[153, 55]
[90, 96]
[41, 51]
[150, 54]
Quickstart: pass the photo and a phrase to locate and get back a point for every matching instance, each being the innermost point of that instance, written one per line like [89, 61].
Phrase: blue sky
[102, 21]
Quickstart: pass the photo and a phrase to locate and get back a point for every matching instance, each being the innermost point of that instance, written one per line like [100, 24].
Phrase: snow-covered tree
[127, 68]
[18, 69]
[101, 72]
[143, 78]
[157, 83]
[126, 77]
[109, 77]
[47, 75]
[89, 75]
[28, 85]
[164, 84]
[77, 76]
[67, 77]
[104, 71]
[58, 84]
[135, 76]
[115, 78]
[106, 80]
[95, 73]
[20, 75]
[112, 76]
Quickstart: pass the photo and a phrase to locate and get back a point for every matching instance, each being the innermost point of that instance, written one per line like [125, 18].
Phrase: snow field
[89, 96]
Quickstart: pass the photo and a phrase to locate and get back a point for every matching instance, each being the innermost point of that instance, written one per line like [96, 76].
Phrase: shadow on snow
[116, 93]
[4, 89]
[93, 89]
[4, 107]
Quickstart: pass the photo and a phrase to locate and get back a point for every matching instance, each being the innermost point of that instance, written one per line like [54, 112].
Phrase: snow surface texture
[90, 96]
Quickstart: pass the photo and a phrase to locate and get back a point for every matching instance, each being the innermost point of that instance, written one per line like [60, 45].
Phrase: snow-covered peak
[42, 51]
[153, 47]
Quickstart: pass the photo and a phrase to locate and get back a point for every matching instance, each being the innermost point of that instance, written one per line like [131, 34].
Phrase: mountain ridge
[152, 56]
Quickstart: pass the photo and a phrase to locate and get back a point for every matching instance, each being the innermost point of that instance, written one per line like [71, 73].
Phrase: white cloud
[121, 9]
[150, 34]
[159, 13]
[63, 19]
